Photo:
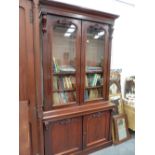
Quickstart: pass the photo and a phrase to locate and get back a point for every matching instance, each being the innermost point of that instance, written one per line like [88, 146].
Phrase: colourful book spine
[70, 83]
[56, 99]
[56, 67]
[86, 96]
[64, 83]
[67, 83]
[86, 81]
[55, 83]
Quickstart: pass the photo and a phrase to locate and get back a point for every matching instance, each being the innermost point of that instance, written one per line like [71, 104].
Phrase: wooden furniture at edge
[67, 82]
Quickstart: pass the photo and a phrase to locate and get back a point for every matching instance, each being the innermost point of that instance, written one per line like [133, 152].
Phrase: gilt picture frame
[115, 86]
[120, 128]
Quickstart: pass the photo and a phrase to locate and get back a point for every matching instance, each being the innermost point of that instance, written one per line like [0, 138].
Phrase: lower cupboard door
[63, 137]
[96, 129]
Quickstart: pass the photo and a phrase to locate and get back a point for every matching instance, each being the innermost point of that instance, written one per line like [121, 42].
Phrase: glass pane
[94, 64]
[64, 63]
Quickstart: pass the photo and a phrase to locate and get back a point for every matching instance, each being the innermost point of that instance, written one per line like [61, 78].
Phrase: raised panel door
[96, 129]
[63, 137]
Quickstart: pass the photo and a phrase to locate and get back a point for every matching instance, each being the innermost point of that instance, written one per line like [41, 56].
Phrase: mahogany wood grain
[76, 111]
[64, 136]
[27, 70]
[95, 129]
[23, 81]
[24, 129]
[57, 127]
[38, 74]
[73, 11]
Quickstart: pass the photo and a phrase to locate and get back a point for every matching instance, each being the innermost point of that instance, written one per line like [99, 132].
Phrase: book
[56, 100]
[67, 69]
[63, 98]
[93, 68]
[99, 80]
[67, 83]
[64, 83]
[70, 83]
[56, 66]
[90, 80]
[86, 81]
[93, 94]
[73, 82]
[55, 83]
[94, 80]
[86, 96]
[60, 84]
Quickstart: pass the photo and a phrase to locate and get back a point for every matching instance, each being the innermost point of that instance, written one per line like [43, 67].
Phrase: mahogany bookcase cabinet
[76, 62]
[72, 67]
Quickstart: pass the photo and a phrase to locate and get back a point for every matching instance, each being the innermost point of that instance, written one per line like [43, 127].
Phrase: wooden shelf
[64, 73]
[76, 110]
[64, 90]
[95, 99]
[94, 72]
[93, 87]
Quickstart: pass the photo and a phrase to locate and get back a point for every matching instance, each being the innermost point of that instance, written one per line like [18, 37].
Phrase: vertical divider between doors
[82, 61]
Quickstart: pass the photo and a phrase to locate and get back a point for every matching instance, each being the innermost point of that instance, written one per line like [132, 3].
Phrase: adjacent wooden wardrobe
[65, 55]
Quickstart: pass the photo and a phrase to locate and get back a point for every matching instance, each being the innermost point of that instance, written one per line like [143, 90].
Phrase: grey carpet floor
[125, 148]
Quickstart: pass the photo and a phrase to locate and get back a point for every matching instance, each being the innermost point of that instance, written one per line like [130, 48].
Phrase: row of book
[62, 68]
[62, 83]
[93, 94]
[63, 98]
[92, 80]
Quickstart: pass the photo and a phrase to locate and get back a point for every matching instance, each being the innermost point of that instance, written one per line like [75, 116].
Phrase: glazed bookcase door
[95, 50]
[62, 61]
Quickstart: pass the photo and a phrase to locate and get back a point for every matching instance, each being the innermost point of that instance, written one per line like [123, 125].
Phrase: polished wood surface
[27, 70]
[96, 128]
[24, 129]
[54, 7]
[64, 136]
[95, 115]
[76, 111]
[75, 123]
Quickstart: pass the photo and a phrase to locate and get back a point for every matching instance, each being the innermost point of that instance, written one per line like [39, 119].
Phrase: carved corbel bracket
[44, 22]
[46, 124]
[96, 27]
[111, 30]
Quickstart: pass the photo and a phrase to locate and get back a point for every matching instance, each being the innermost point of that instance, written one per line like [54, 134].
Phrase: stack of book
[62, 68]
[67, 69]
[93, 69]
[63, 98]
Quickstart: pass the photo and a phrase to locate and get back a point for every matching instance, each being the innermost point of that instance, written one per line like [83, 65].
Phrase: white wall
[123, 45]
